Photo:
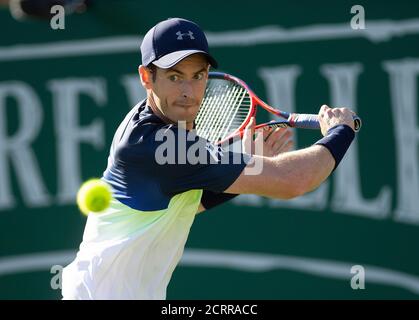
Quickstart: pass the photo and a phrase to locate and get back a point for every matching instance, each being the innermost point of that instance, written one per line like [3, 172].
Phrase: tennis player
[130, 250]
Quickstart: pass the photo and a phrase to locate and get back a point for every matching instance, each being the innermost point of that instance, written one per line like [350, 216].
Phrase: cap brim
[169, 60]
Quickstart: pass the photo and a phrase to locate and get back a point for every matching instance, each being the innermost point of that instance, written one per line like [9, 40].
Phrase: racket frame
[289, 118]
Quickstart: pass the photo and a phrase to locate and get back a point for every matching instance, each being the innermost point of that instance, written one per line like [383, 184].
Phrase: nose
[187, 89]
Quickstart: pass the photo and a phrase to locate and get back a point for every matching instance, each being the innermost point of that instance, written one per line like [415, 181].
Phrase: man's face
[178, 91]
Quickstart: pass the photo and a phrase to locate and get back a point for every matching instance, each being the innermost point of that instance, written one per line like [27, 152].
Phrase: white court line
[376, 31]
[235, 260]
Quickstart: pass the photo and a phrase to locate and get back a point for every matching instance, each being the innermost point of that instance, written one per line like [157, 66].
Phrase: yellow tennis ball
[94, 196]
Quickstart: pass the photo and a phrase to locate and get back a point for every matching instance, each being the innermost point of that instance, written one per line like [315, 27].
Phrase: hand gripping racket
[229, 103]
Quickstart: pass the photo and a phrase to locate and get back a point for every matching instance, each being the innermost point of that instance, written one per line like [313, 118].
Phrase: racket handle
[310, 121]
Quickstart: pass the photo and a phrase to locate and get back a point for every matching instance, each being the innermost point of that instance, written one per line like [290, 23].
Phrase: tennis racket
[228, 105]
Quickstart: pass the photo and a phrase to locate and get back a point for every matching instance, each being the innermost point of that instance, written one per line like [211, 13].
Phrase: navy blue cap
[172, 40]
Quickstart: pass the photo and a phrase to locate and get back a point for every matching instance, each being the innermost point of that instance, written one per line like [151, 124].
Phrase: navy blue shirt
[147, 167]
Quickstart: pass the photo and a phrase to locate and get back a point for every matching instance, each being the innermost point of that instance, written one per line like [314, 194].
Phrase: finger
[324, 108]
[260, 134]
[282, 139]
[268, 136]
[252, 124]
[250, 129]
[276, 135]
[288, 146]
[284, 146]
[347, 110]
[247, 141]
[268, 130]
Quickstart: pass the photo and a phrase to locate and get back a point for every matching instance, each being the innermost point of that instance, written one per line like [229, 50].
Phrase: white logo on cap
[180, 35]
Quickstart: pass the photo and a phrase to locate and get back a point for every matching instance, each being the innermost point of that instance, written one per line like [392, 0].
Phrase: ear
[145, 77]
[208, 69]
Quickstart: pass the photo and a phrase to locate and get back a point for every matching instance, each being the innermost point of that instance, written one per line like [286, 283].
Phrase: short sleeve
[184, 161]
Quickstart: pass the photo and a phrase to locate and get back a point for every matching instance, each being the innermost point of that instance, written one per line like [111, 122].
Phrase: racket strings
[208, 110]
[224, 108]
[217, 95]
[216, 118]
[236, 115]
[210, 102]
[214, 122]
[220, 123]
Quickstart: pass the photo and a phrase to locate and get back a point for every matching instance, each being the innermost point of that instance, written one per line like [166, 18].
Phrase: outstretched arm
[295, 173]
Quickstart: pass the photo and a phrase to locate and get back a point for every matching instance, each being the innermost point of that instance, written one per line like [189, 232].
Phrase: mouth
[186, 106]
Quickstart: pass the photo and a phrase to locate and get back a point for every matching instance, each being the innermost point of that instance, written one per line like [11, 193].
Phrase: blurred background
[66, 81]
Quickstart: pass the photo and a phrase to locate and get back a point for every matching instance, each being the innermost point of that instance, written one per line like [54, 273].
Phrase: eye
[174, 78]
[199, 76]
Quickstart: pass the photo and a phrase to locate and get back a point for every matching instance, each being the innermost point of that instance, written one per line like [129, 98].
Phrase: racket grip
[311, 121]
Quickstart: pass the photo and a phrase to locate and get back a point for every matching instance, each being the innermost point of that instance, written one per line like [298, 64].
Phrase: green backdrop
[64, 92]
